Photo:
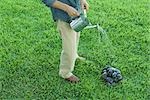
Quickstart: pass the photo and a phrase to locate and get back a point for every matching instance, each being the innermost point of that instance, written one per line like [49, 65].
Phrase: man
[63, 11]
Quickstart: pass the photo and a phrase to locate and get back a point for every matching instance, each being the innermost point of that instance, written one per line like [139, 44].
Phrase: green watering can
[80, 22]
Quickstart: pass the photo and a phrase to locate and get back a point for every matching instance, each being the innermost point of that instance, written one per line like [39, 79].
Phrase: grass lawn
[30, 48]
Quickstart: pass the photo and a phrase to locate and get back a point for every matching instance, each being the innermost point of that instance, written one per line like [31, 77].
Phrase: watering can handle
[85, 14]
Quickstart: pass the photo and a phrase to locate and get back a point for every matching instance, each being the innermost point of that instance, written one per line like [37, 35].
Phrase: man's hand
[84, 5]
[72, 11]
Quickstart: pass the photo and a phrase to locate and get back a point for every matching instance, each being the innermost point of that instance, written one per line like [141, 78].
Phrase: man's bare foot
[81, 58]
[73, 79]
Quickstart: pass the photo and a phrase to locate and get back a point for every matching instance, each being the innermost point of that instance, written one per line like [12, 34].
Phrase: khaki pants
[70, 40]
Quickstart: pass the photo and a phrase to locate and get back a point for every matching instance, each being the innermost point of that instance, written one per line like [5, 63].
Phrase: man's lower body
[70, 41]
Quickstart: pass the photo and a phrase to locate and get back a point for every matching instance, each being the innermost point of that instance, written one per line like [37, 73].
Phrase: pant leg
[68, 54]
[77, 42]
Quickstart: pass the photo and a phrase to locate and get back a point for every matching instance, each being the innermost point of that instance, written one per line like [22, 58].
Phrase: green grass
[30, 48]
